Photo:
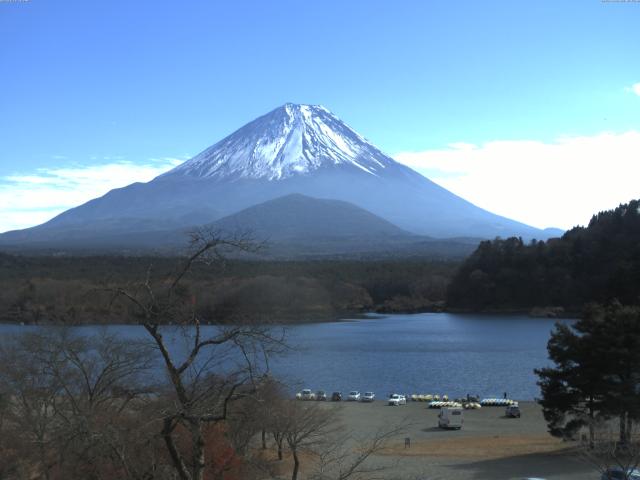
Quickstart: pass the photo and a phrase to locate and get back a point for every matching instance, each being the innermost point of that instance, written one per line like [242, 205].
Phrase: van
[512, 411]
[451, 417]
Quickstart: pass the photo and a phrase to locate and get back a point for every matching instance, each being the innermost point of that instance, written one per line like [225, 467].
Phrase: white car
[307, 394]
[397, 399]
[368, 397]
[354, 396]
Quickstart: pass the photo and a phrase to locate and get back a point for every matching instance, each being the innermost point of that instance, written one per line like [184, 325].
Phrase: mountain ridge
[294, 149]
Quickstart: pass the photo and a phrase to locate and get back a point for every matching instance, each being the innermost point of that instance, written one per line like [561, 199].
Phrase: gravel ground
[489, 446]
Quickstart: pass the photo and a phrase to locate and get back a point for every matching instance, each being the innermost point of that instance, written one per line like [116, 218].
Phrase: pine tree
[596, 374]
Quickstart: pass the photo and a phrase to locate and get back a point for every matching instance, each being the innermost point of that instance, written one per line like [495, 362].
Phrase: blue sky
[91, 86]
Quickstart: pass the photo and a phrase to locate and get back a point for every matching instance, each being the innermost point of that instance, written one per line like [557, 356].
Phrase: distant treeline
[598, 263]
[73, 290]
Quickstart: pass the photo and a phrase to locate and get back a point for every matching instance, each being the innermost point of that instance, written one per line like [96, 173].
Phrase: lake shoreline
[345, 316]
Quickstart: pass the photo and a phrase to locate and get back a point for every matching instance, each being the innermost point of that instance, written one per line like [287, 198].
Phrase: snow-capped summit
[290, 140]
[292, 150]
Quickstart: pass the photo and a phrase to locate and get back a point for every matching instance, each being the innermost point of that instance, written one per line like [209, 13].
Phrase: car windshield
[394, 396]
[368, 394]
[353, 393]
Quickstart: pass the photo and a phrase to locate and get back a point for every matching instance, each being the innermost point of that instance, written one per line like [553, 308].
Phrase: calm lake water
[439, 353]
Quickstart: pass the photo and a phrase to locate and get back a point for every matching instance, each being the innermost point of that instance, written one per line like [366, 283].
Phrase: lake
[422, 353]
[441, 353]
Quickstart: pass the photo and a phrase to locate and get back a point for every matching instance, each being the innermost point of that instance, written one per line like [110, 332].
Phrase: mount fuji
[294, 149]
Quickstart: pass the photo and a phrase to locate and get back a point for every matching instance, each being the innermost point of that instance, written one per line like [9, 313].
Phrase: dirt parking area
[489, 446]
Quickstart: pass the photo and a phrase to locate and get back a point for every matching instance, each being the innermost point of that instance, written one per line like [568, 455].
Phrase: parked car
[307, 394]
[396, 399]
[451, 417]
[336, 396]
[321, 395]
[617, 473]
[354, 396]
[368, 397]
[512, 411]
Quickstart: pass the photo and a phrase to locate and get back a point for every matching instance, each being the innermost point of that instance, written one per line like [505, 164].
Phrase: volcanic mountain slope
[300, 149]
[299, 218]
[294, 226]
[300, 226]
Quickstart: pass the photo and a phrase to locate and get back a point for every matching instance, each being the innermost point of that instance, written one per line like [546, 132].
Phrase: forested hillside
[596, 263]
[48, 289]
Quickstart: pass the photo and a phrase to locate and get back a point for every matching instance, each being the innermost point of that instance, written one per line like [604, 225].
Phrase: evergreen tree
[598, 263]
[596, 373]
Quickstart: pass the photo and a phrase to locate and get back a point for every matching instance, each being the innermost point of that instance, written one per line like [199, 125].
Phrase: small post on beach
[407, 442]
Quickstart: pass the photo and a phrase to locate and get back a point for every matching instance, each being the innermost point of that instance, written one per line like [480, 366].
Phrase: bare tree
[315, 430]
[74, 404]
[269, 406]
[339, 462]
[606, 451]
[308, 427]
[278, 423]
[29, 417]
[347, 457]
[214, 366]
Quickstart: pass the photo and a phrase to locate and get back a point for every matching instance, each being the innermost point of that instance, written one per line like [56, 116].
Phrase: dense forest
[597, 263]
[73, 290]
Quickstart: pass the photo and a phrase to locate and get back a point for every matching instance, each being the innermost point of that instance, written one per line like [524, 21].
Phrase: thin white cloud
[635, 88]
[557, 184]
[31, 198]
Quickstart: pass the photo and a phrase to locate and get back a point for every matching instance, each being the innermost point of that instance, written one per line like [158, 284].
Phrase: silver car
[368, 397]
[354, 396]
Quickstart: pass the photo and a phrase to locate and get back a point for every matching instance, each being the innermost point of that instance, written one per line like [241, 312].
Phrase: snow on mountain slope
[294, 149]
[290, 140]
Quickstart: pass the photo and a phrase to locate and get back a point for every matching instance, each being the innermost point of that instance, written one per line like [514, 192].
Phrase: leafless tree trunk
[202, 387]
[296, 463]
[279, 439]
